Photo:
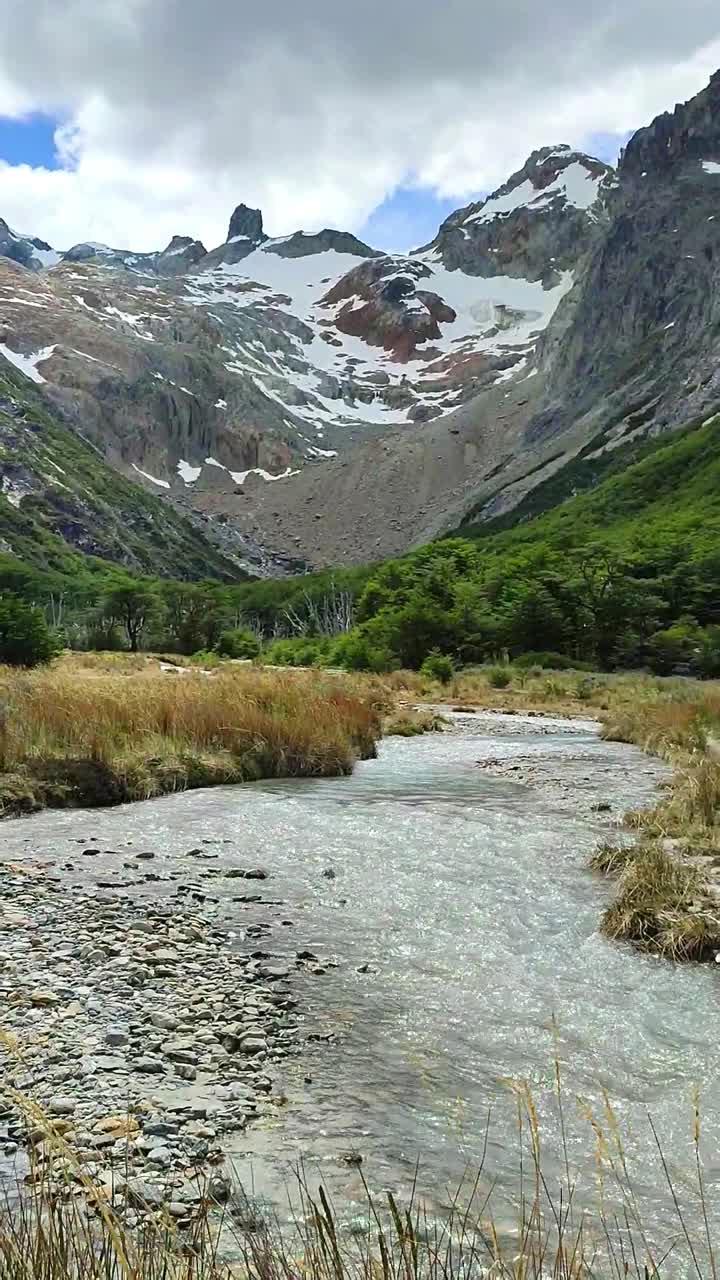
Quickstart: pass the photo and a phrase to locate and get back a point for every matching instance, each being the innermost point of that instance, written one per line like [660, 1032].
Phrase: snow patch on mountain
[575, 184]
[162, 483]
[27, 364]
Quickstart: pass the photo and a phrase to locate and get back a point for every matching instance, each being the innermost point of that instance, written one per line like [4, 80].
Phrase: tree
[675, 646]
[25, 638]
[438, 666]
[132, 605]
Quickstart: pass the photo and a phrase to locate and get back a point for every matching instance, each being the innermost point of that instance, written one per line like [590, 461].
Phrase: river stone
[116, 1036]
[163, 956]
[252, 1044]
[164, 1021]
[143, 1194]
[182, 1050]
[62, 1106]
[160, 1128]
[148, 1065]
[161, 1157]
[273, 972]
[185, 1071]
[107, 1062]
[43, 999]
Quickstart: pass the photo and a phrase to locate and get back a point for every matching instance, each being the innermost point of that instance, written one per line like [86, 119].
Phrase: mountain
[206, 375]
[64, 511]
[631, 350]
[328, 402]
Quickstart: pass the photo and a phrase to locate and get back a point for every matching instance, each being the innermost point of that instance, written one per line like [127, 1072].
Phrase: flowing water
[466, 900]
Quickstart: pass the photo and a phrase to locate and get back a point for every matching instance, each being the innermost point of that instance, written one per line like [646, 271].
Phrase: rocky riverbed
[144, 1033]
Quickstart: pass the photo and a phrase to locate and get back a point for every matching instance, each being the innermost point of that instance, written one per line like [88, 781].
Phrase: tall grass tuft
[660, 906]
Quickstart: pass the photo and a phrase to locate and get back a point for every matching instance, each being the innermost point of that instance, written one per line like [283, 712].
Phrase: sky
[129, 121]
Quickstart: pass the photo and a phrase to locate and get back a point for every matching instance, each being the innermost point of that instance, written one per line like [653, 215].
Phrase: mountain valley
[316, 401]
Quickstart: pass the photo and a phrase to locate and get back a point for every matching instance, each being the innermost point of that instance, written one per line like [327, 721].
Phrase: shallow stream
[466, 900]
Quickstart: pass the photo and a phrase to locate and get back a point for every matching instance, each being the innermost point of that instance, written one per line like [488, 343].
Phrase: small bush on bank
[499, 677]
[411, 724]
[357, 651]
[611, 859]
[584, 690]
[656, 907]
[239, 642]
[438, 666]
[206, 658]
[297, 651]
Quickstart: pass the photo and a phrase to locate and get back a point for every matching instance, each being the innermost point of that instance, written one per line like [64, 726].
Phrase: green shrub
[584, 690]
[25, 638]
[206, 658]
[239, 642]
[552, 662]
[357, 651]
[674, 646]
[498, 677]
[296, 651]
[707, 661]
[438, 666]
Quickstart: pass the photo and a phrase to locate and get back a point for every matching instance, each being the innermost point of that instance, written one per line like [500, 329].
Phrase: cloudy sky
[127, 121]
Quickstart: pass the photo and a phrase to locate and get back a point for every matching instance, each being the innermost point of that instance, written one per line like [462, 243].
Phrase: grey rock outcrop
[303, 243]
[181, 254]
[247, 224]
[29, 251]
[536, 225]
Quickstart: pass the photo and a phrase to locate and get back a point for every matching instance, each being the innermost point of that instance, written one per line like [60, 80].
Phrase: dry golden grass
[77, 735]
[411, 723]
[611, 859]
[666, 901]
[658, 895]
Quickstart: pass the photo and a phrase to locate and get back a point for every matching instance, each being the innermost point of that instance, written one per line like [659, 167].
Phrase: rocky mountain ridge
[631, 350]
[207, 375]
[58, 498]
[335, 402]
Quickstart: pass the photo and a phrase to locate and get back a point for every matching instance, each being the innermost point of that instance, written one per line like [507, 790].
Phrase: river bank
[76, 736]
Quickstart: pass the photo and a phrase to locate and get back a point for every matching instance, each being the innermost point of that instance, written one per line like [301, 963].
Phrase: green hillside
[601, 577]
[672, 494]
[64, 512]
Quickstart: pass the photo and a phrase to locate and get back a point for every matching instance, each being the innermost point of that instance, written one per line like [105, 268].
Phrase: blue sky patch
[29, 141]
[409, 218]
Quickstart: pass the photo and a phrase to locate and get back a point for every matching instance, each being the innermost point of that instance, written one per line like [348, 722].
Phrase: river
[462, 917]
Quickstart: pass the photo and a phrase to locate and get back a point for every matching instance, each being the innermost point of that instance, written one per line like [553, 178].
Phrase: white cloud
[176, 111]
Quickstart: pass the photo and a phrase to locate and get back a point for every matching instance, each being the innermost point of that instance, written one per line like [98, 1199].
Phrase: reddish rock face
[380, 303]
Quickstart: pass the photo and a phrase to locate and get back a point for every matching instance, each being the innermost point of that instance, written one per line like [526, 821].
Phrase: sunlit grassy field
[96, 730]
